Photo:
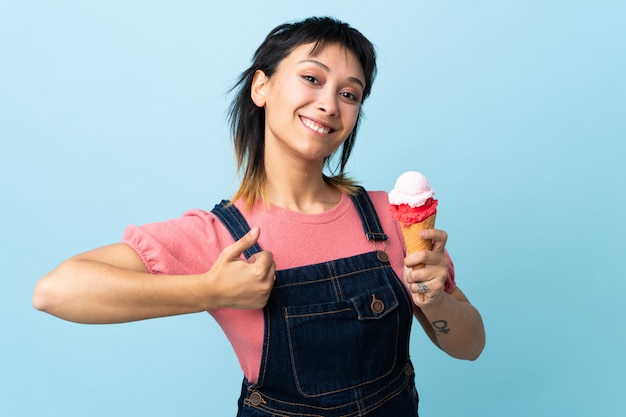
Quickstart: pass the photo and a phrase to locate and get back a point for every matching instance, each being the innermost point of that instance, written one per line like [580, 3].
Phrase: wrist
[205, 295]
[434, 304]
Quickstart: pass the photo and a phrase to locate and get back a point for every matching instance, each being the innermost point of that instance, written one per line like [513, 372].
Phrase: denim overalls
[336, 334]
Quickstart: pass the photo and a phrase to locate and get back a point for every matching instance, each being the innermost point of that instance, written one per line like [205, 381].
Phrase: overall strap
[234, 221]
[236, 224]
[369, 218]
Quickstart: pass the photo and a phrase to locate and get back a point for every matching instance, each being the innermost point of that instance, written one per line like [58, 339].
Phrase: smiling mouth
[316, 126]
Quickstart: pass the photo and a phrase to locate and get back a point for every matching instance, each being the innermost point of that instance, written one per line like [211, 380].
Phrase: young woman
[305, 272]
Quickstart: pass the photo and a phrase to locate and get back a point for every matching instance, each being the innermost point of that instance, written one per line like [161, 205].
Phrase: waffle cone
[412, 239]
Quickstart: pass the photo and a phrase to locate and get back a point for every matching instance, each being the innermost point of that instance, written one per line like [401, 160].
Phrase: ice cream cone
[412, 239]
[414, 243]
[412, 204]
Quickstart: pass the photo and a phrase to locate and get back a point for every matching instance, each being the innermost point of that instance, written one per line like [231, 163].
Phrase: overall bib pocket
[336, 346]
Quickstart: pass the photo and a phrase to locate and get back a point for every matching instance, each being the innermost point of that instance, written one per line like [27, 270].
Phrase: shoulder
[186, 244]
[379, 198]
[191, 222]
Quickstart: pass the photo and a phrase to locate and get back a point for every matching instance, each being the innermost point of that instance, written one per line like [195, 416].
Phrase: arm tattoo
[441, 326]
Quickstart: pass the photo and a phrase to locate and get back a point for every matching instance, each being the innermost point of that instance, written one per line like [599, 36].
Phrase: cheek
[287, 96]
[352, 114]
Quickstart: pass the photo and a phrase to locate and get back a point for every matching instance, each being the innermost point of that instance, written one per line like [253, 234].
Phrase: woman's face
[311, 102]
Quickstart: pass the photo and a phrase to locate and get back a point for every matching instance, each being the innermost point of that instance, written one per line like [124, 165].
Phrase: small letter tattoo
[441, 326]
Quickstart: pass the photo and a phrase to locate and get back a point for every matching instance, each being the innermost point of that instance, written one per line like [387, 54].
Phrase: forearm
[455, 326]
[93, 292]
[111, 285]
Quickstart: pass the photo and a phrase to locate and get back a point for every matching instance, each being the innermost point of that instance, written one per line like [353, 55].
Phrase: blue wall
[114, 113]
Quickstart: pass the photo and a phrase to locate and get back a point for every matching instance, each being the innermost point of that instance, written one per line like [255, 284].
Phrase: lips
[317, 127]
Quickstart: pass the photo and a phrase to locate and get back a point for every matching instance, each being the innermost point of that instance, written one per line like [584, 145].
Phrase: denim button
[382, 256]
[377, 306]
[408, 369]
[255, 398]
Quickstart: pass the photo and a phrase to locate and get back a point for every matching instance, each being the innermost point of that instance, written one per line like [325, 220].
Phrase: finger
[264, 267]
[434, 261]
[414, 275]
[264, 263]
[247, 241]
[272, 272]
[439, 238]
[419, 289]
[422, 288]
[432, 275]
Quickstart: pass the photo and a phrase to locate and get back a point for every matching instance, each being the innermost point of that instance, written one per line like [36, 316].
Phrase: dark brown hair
[247, 121]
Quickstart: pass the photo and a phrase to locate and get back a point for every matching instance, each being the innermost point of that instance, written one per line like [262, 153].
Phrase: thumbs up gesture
[240, 283]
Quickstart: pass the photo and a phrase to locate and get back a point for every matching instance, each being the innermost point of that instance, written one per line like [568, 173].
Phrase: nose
[328, 102]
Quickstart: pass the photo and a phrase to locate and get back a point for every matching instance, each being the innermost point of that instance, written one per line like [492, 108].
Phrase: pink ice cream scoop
[411, 200]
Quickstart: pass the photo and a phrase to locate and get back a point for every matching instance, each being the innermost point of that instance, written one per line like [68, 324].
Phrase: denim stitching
[376, 268]
[266, 343]
[336, 286]
[373, 231]
[384, 375]
[379, 403]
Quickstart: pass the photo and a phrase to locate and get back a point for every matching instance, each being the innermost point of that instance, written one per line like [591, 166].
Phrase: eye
[350, 96]
[311, 79]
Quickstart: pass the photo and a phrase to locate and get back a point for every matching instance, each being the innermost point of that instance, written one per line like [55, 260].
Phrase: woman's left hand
[427, 283]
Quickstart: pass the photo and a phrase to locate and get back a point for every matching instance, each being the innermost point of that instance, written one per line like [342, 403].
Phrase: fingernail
[254, 231]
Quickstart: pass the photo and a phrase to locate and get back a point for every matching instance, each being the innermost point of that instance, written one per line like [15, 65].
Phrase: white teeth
[314, 126]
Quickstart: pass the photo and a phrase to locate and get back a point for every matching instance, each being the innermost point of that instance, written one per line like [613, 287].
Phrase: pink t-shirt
[190, 244]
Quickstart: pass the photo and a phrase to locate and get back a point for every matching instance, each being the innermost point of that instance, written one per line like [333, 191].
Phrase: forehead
[330, 54]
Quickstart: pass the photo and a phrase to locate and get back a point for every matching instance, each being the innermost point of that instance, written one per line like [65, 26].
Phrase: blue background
[114, 113]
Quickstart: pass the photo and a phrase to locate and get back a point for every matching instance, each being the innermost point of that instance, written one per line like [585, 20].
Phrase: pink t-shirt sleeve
[189, 245]
[186, 245]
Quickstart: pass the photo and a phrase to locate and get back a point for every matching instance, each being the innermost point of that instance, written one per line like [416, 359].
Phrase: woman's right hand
[239, 283]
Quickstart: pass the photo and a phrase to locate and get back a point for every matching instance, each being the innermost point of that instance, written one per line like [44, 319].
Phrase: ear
[259, 82]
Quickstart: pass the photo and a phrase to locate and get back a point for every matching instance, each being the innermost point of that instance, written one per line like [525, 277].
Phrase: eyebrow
[325, 68]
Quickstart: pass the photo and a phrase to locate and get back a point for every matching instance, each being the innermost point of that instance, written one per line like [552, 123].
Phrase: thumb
[247, 241]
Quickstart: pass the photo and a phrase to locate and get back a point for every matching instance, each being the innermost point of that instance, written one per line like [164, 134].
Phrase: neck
[301, 189]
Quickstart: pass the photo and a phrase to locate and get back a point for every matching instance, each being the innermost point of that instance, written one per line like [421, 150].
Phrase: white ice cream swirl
[411, 188]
